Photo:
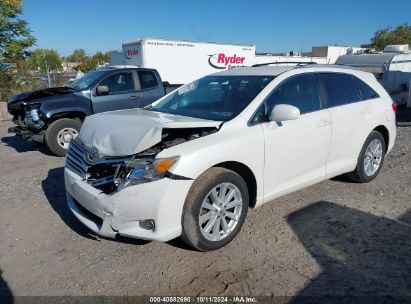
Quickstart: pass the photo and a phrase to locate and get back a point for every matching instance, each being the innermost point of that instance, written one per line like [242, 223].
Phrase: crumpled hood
[31, 95]
[127, 132]
[15, 103]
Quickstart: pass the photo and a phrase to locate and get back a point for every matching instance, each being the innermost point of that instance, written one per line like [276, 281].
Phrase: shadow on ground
[359, 253]
[403, 117]
[6, 296]
[21, 145]
[54, 190]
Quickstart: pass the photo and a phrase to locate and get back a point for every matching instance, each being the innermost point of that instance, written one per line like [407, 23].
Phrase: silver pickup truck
[55, 115]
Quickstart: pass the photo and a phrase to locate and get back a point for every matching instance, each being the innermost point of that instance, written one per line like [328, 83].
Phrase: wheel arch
[72, 115]
[385, 133]
[247, 175]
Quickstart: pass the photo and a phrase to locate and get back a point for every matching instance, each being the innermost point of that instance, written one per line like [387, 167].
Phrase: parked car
[55, 115]
[194, 162]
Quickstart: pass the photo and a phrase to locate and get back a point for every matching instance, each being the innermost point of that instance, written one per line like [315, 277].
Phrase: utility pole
[47, 69]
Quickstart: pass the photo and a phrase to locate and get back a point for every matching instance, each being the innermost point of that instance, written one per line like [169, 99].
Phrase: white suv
[192, 164]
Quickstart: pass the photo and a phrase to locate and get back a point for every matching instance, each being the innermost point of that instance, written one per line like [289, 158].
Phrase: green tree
[40, 57]
[90, 63]
[101, 58]
[400, 35]
[15, 40]
[15, 36]
[79, 55]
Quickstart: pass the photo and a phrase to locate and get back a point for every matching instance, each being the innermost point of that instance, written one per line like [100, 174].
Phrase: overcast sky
[273, 27]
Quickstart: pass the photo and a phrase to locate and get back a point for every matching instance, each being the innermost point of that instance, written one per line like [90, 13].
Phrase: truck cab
[54, 116]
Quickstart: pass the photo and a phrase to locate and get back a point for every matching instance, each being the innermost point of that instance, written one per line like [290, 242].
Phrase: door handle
[323, 123]
[135, 97]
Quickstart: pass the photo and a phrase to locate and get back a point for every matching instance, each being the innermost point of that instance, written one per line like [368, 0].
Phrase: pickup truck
[54, 116]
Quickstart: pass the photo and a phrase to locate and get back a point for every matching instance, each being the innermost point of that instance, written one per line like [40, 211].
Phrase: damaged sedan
[192, 163]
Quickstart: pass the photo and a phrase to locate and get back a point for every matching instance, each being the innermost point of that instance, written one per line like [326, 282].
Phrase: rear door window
[147, 80]
[338, 89]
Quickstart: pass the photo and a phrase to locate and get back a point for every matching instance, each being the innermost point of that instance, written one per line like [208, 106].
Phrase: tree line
[22, 68]
[49, 59]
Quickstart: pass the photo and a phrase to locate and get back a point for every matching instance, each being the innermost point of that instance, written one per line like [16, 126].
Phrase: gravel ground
[334, 238]
[4, 115]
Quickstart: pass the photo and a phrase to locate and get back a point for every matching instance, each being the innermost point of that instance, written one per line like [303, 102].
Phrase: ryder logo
[131, 53]
[221, 61]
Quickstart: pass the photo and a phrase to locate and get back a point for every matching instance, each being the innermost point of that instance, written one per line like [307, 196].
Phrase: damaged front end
[112, 174]
[28, 120]
[25, 109]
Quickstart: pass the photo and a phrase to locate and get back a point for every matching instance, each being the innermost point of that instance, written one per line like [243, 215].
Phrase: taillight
[394, 107]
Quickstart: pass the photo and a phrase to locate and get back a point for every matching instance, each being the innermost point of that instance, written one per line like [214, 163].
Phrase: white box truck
[392, 69]
[180, 62]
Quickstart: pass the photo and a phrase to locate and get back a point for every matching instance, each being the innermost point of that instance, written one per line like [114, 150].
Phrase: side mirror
[284, 112]
[166, 84]
[102, 90]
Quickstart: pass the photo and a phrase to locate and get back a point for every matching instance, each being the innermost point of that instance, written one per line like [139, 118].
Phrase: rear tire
[59, 133]
[220, 197]
[370, 159]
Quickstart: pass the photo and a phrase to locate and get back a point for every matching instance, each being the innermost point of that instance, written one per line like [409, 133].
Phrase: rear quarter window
[365, 90]
[338, 89]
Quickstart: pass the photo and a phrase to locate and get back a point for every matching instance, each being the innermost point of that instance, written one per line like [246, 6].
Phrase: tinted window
[365, 90]
[299, 91]
[121, 82]
[147, 79]
[213, 97]
[338, 89]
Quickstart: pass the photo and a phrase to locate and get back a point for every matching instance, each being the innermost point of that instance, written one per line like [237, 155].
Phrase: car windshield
[85, 81]
[213, 97]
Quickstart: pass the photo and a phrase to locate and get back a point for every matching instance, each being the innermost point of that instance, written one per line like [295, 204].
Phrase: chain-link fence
[14, 82]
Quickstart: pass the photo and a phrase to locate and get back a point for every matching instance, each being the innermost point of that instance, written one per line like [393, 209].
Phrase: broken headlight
[33, 112]
[145, 170]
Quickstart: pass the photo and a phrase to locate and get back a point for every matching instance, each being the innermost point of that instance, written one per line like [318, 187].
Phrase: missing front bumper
[27, 134]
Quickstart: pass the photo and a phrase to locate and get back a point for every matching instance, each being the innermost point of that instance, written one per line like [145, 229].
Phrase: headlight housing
[144, 170]
[33, 112]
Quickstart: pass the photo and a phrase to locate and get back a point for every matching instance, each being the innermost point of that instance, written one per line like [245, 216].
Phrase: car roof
[277, 70]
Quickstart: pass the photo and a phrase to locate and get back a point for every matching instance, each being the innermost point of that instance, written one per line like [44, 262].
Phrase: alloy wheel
[220, 212]
[373, 156]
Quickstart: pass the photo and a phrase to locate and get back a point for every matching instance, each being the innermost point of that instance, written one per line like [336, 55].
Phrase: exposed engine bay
[110, 174]
[173, 137]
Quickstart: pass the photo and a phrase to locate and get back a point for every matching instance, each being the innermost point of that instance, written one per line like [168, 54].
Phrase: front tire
[215, 209]
[370, 159]
[59, 133]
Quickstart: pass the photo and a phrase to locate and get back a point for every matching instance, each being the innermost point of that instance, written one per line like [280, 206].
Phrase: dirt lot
[333, 238]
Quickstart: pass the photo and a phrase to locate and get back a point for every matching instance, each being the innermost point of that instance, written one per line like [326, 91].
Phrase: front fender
[69, 103]
[245, 146]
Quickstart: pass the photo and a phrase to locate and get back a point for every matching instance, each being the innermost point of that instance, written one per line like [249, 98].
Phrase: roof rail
[298, 63]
